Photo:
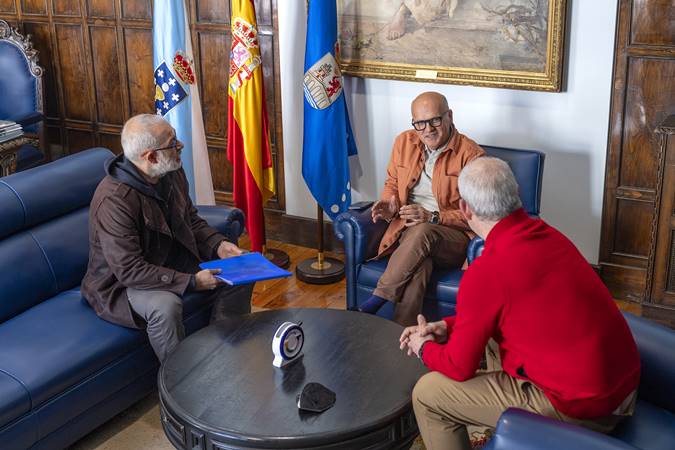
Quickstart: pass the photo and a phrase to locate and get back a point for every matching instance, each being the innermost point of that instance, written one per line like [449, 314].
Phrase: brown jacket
[405, 168]
[132, 245]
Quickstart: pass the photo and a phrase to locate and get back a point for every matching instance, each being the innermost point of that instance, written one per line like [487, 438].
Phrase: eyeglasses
[175, 145]
[420, 125]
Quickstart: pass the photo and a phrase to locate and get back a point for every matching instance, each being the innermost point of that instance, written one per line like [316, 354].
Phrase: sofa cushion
[14, 399]
[650, 428]
[442, 285]
[66, 342]
[59, 342]
[31, 279]
[63, 242]
[55, 189]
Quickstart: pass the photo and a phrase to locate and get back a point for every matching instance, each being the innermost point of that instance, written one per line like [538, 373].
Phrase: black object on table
[219, 390]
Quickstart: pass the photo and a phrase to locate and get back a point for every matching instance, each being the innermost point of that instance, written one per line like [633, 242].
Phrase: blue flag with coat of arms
[177, 95]
[328, 140]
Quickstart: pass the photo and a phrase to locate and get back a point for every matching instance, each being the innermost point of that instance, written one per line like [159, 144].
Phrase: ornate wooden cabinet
[643, 96]
[661, 273]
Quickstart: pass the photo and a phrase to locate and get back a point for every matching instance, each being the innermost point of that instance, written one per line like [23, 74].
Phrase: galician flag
[177, 95]
[328, 140]
[248, 144]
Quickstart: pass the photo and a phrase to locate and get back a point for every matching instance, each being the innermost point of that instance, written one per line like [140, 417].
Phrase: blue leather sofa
[361, 238]
[64, 371]
[652, 427]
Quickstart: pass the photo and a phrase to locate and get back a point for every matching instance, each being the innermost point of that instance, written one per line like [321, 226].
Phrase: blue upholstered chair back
[20, 79]
[528, 168]
[44, 229]
[656, 345]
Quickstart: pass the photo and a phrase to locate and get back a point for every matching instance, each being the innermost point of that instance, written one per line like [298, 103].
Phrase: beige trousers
[444, 407]
[420, 248]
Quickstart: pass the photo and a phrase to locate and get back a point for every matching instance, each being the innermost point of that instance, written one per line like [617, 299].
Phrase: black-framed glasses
[435, 122]
[175, 145]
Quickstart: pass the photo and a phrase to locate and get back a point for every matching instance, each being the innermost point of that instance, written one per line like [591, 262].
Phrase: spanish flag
[248, 144]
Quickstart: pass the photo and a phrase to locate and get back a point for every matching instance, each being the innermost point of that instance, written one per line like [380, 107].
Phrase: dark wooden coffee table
[219, 390]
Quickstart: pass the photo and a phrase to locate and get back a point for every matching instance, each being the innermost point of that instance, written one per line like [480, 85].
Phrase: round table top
[221, 379]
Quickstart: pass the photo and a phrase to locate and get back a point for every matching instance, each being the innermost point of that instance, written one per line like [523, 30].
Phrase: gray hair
[137, 135]
[488, 186]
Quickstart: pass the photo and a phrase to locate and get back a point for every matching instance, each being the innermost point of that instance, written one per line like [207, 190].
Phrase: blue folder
[244, 269]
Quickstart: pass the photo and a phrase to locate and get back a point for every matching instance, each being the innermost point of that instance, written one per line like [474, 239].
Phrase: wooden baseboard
[660, 314]
[300, 231]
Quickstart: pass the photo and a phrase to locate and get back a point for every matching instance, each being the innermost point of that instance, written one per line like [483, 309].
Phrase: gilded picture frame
[514, 44]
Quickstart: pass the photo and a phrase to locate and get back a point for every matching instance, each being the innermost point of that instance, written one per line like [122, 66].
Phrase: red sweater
[555, 322]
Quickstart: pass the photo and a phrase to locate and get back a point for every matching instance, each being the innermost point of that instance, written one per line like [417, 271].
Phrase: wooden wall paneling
[213, 11]
[136, 9]
[648, 24]
[74, 75]
[34, 7]
[107, 75]
[662, 270]
[7, 7]
[646, 106]
[79, 140]
[101, 8]
[111, 141]
[632, 229]
[66, 7]
[138, 56]
[213, 66]
[263, 11]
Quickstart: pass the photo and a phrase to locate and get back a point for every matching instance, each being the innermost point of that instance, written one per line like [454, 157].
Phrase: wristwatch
[419, 353]
[435, 218]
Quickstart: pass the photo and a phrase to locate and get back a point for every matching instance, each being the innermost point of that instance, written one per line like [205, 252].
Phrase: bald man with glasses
[420, 200]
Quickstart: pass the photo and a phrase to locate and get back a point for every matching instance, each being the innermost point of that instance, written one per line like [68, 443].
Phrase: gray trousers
[163, 312]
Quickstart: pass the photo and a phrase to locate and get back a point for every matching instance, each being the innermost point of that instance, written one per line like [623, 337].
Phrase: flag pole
[276, 256]
[322, 269]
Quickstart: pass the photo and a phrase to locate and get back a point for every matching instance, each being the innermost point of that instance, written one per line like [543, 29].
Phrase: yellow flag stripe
[248, 109]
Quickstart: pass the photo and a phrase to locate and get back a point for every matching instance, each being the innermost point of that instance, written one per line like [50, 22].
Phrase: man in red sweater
[565, 349]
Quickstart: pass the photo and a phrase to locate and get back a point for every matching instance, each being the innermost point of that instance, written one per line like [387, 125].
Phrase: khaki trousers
[420, 248]
[444, 407]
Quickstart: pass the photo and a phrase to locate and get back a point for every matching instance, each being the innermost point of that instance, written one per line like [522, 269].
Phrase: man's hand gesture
[228, 249]
[414, 214]
[413, 337]
[385, 210]
[206, 281]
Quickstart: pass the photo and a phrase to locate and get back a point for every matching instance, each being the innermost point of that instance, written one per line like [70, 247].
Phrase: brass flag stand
[322, 269]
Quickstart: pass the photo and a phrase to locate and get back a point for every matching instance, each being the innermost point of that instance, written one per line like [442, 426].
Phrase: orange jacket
[404, 170]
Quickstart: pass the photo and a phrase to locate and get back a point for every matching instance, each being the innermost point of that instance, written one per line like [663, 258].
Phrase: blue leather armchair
[361, 238]
[64, 371]
[21, 91]
[652, 426]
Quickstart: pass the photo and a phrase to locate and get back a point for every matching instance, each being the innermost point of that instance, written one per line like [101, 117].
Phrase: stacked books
[9, 130]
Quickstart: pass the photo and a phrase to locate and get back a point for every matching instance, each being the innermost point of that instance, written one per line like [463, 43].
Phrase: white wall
[570, 127]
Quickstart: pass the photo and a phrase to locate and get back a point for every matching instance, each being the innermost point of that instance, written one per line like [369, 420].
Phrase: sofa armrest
[474, 249]
[228, 221]
[361, 238]
[30, 119]
[528, 431]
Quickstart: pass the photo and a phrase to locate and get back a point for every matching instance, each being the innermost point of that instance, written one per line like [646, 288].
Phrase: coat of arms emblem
[323, 82]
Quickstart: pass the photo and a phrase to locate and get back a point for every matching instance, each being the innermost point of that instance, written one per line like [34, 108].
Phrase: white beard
[164, 165]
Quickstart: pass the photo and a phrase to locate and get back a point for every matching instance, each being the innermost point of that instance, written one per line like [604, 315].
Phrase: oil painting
[514, 44]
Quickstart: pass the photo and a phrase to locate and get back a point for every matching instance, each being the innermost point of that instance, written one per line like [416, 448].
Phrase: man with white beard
[146, 240]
